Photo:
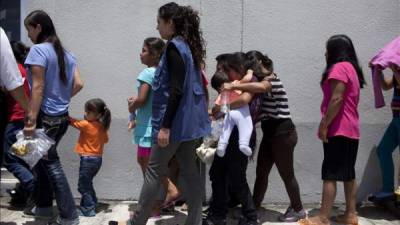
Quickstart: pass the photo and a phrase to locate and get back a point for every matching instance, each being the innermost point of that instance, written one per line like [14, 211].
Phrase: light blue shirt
[57, 95]
[143, 130]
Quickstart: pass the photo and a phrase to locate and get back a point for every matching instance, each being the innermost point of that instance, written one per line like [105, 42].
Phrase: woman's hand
[163, 137]
[30, 126]
[323, 131]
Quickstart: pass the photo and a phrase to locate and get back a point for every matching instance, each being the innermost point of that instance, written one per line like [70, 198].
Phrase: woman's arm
[334, 105]
[36, 98]
[253, 87]
[144, 91]
[386, 82]
[78, 82]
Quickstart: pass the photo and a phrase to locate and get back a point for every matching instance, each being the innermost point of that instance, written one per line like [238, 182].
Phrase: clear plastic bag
[207, 149]
[32, 149]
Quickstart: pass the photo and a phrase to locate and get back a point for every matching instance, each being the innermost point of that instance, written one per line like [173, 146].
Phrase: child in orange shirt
[93, 135]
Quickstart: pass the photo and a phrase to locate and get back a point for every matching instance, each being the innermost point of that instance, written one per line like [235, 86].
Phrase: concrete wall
[106, 36]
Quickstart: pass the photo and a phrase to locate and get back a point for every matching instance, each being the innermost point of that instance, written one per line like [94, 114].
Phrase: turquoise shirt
[143, 130]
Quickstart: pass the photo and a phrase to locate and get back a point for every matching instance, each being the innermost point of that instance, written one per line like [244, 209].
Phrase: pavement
[119, 210]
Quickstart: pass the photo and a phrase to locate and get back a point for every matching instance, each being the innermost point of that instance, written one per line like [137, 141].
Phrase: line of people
[169, 118]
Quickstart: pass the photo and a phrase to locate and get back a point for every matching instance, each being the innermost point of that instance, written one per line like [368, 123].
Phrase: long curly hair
[187, 24]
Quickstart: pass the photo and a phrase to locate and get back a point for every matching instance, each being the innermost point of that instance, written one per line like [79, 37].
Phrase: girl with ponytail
[54, 79]
[93, 135]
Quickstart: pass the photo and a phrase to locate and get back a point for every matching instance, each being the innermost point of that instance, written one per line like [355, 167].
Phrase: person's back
[57, 94]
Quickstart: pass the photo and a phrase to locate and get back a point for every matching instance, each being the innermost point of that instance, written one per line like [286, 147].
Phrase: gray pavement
[119, 210]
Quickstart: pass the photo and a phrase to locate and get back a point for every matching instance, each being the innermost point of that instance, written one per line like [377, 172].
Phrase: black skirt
[340, 154]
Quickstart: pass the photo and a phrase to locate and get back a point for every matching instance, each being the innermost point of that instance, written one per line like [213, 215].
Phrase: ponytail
[99, 107]
[48, 34]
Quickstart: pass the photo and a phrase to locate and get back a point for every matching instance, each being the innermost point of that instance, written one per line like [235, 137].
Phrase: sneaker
[292, 216]
[88, 213]
[61, 221]
[39, 212]
[381, 196]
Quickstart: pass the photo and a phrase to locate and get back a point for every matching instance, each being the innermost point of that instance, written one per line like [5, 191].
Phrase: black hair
[221, 60]
[155, 46]
[20, 51]
[99, 107]
[340, 48]
[48, 34]
[187, 24]
[258, 61]
[238, 62]
[218, 79]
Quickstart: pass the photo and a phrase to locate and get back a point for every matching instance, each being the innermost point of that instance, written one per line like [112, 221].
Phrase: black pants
[230, 172]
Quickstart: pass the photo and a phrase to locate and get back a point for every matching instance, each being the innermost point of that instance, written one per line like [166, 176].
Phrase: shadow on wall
[372, 179]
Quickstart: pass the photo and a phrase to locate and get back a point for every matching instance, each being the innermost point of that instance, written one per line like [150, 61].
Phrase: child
[141, 112]
[240, 117]
[93, 135]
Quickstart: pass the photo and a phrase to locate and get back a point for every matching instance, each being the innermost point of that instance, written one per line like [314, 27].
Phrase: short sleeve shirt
[346, 122]
[57, 95]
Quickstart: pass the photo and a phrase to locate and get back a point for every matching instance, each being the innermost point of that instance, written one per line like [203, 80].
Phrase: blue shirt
[57, 95]
[142, 132]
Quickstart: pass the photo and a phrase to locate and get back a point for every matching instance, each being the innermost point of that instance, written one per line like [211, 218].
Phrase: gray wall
[106, 37]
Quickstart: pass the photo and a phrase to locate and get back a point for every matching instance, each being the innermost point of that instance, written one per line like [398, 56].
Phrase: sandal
[316, 220]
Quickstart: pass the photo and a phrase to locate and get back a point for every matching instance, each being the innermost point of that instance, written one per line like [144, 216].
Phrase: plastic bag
[207, 149]
[32, 149]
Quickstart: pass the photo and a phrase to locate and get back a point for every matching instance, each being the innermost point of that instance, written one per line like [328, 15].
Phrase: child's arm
[78, 124]
[141, 100]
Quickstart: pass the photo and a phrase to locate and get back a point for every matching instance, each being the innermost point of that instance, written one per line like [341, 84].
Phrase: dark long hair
[238, 62]
[99, 107]
[257, 61]
[48, 34]
[155, 46]
[20, 51]
[187, 24]
[340, 48]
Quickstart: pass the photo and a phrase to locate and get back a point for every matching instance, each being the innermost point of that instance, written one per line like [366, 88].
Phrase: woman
[228, 173]
[339, 128]
[54, 79]
[279, 135]
[179, 116]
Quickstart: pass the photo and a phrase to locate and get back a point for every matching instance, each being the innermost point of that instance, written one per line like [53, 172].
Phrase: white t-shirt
[10, 77]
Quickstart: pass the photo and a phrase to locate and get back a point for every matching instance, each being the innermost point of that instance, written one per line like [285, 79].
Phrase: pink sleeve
[339, 72]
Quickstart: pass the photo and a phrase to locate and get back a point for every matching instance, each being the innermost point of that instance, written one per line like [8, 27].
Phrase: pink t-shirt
[346, 122]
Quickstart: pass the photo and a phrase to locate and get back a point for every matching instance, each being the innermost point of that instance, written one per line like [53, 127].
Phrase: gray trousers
[185, 153]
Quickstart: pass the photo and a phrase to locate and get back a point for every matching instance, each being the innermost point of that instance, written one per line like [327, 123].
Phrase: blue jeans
[50, 175]
[15, 165]
[88, 169]
[390, 141]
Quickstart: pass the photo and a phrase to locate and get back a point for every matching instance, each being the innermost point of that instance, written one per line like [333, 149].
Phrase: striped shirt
[275, 103]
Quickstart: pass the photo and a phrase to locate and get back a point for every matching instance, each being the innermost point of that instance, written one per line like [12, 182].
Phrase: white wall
[106, 37]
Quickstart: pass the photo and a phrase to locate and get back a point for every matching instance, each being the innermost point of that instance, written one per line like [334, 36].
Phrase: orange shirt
[92, 137]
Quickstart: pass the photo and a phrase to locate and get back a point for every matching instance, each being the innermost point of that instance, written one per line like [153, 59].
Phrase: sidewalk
[119, 210]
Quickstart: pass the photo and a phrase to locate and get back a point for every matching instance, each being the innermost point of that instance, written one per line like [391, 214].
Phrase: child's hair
[20, 51]
[48, 34]
[340, 48]
[218, 79]
[187, 24]
[155, 46]
[98, 106]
